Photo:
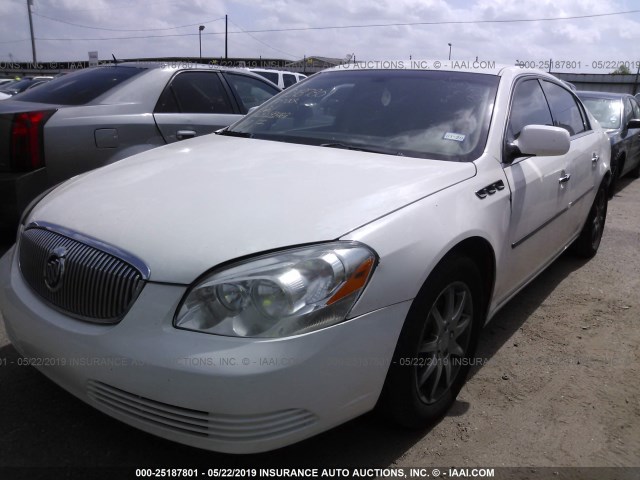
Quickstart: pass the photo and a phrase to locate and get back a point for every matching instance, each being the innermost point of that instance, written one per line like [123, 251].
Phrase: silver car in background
[97, 116]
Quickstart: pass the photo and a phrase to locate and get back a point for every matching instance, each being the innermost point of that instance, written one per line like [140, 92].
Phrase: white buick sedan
[335, 251]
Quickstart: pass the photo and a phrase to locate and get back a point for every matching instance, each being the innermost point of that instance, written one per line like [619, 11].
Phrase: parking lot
[558, 388]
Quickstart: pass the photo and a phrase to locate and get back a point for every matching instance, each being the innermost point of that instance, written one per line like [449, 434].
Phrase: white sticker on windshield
[458, 137]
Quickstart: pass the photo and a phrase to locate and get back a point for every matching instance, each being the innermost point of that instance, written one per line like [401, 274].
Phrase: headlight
[281, 294]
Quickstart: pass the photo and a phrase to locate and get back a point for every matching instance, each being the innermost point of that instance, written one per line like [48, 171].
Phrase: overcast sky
[154, 22]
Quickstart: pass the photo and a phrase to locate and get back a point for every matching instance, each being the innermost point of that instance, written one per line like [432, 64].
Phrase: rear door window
[636, 108]
[195, 92]
[564, 109]
[628, 110]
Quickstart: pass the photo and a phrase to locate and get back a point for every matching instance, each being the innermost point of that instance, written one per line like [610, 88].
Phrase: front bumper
[220, 393]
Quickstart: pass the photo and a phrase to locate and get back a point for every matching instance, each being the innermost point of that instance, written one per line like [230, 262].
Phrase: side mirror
[633, 123]
[542, 140]
[252, 109]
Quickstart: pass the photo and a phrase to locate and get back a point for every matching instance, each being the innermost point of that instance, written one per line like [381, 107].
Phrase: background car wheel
[635, 173]
[436, 345]
[588, 242]
[616, 166]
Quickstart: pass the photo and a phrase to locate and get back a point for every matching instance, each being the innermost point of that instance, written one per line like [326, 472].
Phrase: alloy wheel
[444, 343]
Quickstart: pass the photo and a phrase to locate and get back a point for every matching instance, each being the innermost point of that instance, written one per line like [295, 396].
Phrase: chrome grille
[228, 428]
[84, 281]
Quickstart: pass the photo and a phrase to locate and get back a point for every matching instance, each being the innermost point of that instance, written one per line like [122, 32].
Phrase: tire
[616, 168]
[635, 173]
[430, 367]
[587, 244]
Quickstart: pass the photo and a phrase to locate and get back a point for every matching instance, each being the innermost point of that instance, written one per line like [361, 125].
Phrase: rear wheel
[589, 240]
[436, 345]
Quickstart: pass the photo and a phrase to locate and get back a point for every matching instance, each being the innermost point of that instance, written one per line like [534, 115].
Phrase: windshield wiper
[232, 133]
[358, 148]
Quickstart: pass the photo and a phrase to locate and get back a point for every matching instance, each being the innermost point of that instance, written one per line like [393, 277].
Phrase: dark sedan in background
[97, 116]
[18, 86]
[619, 115]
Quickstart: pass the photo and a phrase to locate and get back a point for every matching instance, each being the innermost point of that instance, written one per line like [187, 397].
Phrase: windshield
[606, 110]
[79, 87]
[425, 114]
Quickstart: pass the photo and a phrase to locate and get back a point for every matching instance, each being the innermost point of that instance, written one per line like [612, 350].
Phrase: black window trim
[518, 80]
[585, 116]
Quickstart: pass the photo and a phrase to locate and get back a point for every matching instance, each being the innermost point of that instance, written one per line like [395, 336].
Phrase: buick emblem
[54, 269]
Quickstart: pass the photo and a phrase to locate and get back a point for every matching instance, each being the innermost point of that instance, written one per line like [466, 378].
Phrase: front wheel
[436, 345]
[588, 242]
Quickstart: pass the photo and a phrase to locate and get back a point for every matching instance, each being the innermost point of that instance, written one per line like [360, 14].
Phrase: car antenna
[115, 61]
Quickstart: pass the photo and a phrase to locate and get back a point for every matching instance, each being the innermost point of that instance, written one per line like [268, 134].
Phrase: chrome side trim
[582, 196]
[531, 234]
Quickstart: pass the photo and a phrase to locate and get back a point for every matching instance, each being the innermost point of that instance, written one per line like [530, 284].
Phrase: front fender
[423, 233]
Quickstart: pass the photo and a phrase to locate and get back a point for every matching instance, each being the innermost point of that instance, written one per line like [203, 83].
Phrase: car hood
[187, 207]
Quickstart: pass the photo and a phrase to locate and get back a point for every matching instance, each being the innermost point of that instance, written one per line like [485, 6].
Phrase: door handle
[564, 178]
[184, 134]
[594, 159]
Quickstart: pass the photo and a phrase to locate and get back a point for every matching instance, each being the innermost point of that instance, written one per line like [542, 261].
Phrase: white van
[281, 78]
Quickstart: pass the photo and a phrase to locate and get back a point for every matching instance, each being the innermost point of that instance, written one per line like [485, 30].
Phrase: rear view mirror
[543, 140]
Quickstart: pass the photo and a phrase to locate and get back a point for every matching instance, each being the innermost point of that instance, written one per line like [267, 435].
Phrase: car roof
[594, 94]
[459, 66]
[251, 69]
[172, 65]
[475, 66]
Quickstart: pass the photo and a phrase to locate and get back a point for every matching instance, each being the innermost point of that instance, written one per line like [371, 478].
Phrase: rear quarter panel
[70, 138]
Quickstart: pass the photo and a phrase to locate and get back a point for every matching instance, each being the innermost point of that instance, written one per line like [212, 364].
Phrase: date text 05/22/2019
[551, 64]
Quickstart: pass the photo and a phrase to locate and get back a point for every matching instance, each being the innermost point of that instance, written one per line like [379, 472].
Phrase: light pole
[33, 42]
[200, 28]
[449, 51]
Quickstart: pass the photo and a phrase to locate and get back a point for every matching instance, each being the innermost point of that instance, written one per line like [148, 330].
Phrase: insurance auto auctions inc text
[375, 473]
